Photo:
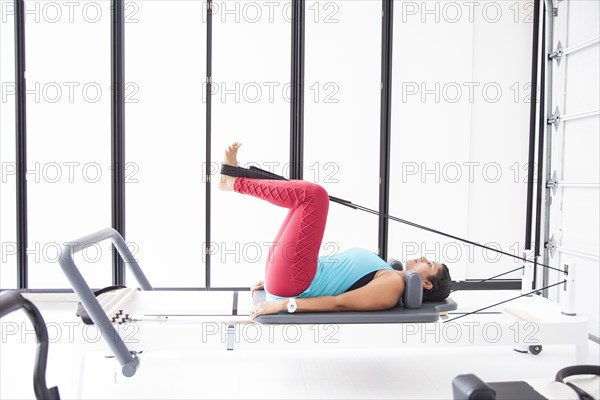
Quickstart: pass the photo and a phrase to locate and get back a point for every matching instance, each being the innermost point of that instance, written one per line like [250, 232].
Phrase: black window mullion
[297, 88]
[21, 145]
[208, 137]
[118, 130]
[385, 123]
[532, 122]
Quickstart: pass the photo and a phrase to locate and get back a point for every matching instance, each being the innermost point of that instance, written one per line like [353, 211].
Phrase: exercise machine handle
[12, 301]
[129, 361]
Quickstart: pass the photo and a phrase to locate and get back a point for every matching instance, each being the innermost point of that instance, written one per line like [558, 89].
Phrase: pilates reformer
[529, 323]
[109, 309]
[468, 386]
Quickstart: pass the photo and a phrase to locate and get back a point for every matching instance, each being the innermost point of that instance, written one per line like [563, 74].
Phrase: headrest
[413, 290]
[397, 265]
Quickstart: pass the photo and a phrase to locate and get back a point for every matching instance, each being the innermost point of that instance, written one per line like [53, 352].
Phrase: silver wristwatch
[291, 305]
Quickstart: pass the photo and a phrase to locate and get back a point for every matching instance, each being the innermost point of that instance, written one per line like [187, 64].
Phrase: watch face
[291, 305]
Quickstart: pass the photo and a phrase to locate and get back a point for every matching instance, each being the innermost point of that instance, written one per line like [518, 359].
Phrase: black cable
[506, 301]
[413, 224]
[488, 279]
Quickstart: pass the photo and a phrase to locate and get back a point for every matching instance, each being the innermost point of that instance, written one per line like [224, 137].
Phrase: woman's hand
[257, 286]
[268, 307]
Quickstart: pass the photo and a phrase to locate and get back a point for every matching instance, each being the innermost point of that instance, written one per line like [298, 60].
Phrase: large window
[458, 163]
[454, 154]
[68, 140]
[165, 74]
[251, 104]
[342, 102]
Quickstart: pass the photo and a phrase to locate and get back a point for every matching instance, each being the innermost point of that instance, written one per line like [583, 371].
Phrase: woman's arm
[381, 293]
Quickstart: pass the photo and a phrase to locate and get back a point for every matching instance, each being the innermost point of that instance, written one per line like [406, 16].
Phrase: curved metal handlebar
[12, 301]
[129, 362]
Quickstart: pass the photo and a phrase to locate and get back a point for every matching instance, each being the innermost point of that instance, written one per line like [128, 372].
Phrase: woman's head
[436, 278]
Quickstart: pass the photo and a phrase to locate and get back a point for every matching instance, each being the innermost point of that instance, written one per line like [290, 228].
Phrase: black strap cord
[470, 284]
[403, 221]
[413, 224]
[506, 301]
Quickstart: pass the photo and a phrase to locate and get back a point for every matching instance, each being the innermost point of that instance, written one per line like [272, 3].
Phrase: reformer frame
[555, 327]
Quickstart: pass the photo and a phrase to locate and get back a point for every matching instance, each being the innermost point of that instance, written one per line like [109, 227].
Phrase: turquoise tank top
[338, 272]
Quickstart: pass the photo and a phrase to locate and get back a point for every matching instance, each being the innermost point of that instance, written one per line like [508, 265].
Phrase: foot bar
[129, 362]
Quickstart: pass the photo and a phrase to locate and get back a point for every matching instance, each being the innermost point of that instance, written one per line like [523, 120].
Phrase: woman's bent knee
[317, 191]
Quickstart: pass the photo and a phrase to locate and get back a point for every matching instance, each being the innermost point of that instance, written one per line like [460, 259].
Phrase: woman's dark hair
[441, 286]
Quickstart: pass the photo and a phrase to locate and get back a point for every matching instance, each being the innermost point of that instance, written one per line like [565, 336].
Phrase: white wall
[575, 215]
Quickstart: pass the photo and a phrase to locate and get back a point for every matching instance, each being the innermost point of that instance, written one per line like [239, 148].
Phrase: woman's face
[425, 268]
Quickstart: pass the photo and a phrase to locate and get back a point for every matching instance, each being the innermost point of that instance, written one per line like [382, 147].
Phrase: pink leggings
[293, 256]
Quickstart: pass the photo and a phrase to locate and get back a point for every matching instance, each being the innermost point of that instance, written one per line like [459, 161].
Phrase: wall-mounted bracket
[553, 183]
[555, 9]
[554, 118]
[551, 246]
[557, 54]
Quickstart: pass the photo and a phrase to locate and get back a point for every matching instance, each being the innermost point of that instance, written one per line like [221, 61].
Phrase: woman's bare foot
[226, 182]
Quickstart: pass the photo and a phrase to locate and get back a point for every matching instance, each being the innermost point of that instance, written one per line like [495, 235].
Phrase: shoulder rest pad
[413, 290]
